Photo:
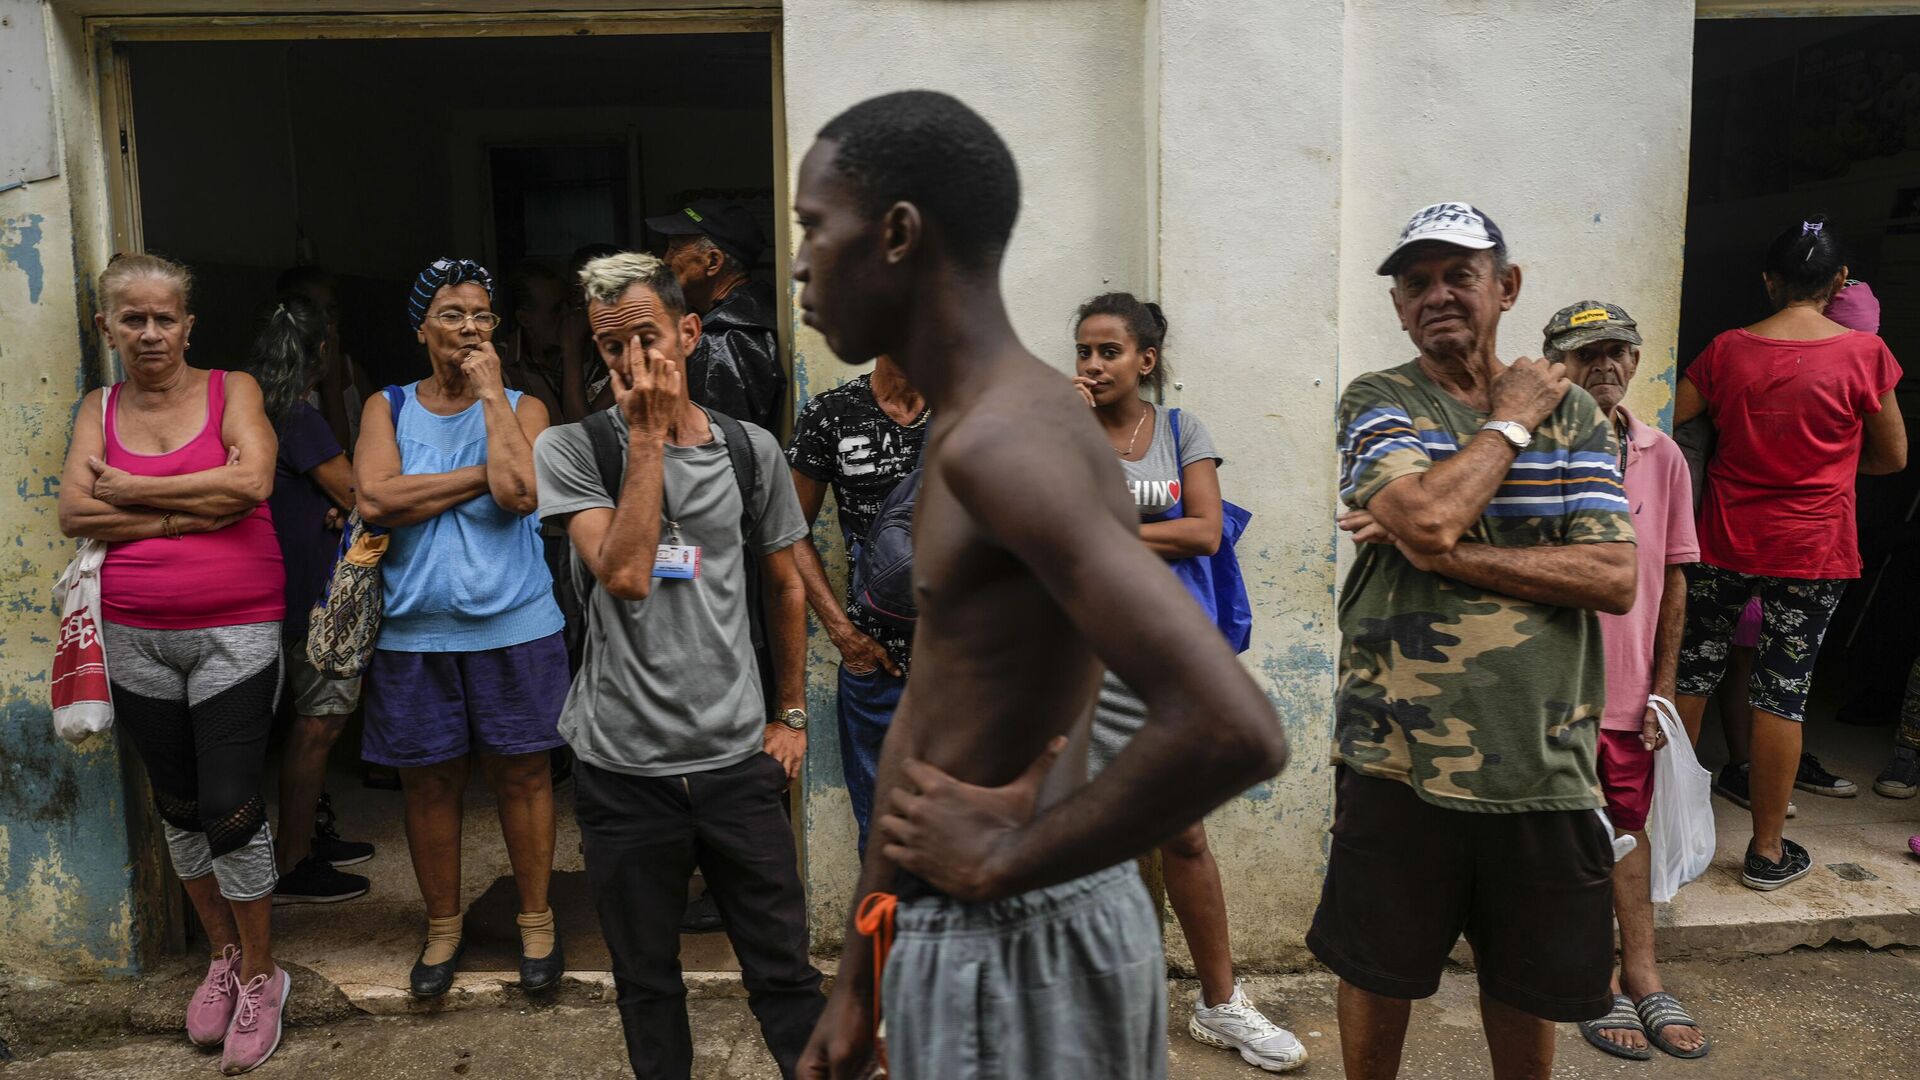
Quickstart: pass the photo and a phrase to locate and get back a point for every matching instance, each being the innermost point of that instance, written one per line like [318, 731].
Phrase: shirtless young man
[1026, 944]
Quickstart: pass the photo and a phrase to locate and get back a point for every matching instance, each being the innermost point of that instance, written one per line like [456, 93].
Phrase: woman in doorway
[312, 487]
[1119, 347]
[1799, 405]
[470, 656]
[1854, 307]
[175, 478]
[532, 355]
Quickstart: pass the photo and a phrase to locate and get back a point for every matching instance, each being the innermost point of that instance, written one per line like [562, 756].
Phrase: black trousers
[644, 836]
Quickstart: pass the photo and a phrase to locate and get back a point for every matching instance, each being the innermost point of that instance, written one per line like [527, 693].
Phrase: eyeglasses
[485, 321]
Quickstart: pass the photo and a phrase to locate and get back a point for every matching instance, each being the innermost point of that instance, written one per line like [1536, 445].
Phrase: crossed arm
[100, 502]
[389, 497]
[1426, 514]
[1197, 532]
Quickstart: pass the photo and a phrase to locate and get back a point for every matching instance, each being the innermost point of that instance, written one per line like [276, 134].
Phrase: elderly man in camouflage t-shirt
[1492, 525]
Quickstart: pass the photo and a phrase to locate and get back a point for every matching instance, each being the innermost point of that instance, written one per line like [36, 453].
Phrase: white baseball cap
[1456, 223]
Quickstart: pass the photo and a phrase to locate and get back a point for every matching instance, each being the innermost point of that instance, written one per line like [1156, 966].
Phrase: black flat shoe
[433, 980]
[702, 916]
[537, 975]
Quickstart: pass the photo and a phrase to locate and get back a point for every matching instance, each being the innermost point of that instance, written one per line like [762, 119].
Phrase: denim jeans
[867, 703]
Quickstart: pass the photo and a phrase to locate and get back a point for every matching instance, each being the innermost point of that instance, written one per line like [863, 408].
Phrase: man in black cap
[736, 368]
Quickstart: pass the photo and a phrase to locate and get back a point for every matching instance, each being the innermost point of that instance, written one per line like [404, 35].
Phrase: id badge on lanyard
[675, 560]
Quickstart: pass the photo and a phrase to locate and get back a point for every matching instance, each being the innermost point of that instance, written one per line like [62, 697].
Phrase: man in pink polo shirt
[1600, 344]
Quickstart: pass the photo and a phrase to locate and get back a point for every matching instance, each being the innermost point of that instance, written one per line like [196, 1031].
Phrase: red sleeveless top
[231, 577]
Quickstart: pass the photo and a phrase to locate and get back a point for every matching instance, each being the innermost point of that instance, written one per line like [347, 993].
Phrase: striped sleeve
[1378, 442]
[1594, 499]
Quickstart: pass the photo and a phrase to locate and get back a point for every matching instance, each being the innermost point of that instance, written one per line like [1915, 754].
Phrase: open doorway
[371, 157]
[1793, 117]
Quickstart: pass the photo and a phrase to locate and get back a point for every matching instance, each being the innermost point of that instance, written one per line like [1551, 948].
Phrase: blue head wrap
[443, 272]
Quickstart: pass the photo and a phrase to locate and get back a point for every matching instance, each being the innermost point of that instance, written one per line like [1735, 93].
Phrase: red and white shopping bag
[81, 703]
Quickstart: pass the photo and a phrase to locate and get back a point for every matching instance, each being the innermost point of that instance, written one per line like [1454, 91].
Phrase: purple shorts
[1747, 634]
[423, 708]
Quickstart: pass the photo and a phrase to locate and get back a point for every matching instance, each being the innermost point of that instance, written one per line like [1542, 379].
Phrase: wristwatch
[795, 719]
[1520, 438]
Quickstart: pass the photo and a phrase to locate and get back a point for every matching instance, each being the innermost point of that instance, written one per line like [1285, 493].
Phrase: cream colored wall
[1061, 81]
[1566, 123]
[1246, 163]
[1284, 145]
[1249, 169]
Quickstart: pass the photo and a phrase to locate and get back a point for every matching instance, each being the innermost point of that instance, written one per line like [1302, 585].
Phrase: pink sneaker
[255, 1033]
[1913, 844]
[210, 1013]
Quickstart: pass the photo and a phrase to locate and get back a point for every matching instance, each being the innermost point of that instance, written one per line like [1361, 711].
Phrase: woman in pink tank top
[175, 479]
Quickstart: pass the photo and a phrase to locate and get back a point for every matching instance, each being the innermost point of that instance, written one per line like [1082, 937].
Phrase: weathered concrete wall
[65, 879]
[1567, 123]
[1285, 145]
[1246, 249]
[1061, 80]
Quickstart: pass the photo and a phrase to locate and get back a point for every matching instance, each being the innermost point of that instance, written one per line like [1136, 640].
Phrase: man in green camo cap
[1491, 526]
[1600, 345]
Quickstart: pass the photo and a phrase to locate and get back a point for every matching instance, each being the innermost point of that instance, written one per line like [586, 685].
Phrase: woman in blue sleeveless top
[470, 656]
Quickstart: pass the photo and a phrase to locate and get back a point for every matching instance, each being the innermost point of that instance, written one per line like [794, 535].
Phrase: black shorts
[1533, 892]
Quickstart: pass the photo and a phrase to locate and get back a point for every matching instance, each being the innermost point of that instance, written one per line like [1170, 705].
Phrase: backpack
[605, 434]
[883, 568]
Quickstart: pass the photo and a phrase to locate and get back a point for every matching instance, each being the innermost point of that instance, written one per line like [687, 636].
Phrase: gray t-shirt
[668, 684]
[1155, 478]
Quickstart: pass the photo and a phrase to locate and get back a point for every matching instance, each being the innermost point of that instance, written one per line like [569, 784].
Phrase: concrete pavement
[1802, 1015]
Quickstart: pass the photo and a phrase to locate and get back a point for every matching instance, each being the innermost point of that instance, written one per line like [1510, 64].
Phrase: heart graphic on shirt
[1173, 489]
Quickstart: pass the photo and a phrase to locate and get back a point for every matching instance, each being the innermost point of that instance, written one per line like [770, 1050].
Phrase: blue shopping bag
[1214, 580]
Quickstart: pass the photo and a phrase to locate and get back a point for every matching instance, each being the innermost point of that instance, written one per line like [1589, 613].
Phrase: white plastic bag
[82, 704]
[1680, 822]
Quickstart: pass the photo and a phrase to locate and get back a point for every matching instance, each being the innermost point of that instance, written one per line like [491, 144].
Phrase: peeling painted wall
[1247, 164]
[1284, 146]
[65, 879]
[1061, 81]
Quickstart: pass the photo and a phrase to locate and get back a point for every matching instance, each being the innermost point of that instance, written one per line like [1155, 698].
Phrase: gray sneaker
[1901, 778]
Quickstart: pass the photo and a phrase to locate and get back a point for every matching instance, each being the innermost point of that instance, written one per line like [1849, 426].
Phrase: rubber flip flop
[1622, 1018]
[1661, 1011]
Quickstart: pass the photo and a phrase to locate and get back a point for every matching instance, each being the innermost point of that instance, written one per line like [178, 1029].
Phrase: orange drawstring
[874, 918]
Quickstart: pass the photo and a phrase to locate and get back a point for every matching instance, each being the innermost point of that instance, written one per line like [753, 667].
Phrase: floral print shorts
[1794, 613]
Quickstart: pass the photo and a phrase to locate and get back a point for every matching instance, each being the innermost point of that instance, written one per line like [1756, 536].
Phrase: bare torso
[999, 669]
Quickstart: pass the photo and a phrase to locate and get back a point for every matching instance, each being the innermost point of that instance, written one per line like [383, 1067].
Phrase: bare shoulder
[243, 384]
[1029, 442]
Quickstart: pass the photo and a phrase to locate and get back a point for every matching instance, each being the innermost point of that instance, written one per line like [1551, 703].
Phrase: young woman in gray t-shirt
[1170, 465]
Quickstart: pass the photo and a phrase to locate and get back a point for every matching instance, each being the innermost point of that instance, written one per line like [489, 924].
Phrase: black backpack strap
[746, 469]
[609, 457]
[746, 475]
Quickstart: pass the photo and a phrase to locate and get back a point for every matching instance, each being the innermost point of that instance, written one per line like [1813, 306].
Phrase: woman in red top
[1799, 404]
[191, 597]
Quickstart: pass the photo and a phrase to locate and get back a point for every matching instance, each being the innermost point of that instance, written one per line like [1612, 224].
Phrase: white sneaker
[1238, 1025]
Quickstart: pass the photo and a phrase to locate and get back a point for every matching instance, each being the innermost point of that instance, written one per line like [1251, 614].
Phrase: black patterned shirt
[846, 440]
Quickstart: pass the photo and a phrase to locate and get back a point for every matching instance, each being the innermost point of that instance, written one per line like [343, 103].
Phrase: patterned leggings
[199, 705]
[1909, 733]
[1794, 613]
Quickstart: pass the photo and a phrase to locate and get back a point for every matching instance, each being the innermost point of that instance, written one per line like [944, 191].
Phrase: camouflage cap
[1587, 322]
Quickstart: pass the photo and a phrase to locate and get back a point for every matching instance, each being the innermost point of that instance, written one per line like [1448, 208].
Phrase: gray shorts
[313, 693]
[1065, 982]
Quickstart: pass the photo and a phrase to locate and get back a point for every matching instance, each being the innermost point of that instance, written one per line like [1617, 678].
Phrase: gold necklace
[1135, 437]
